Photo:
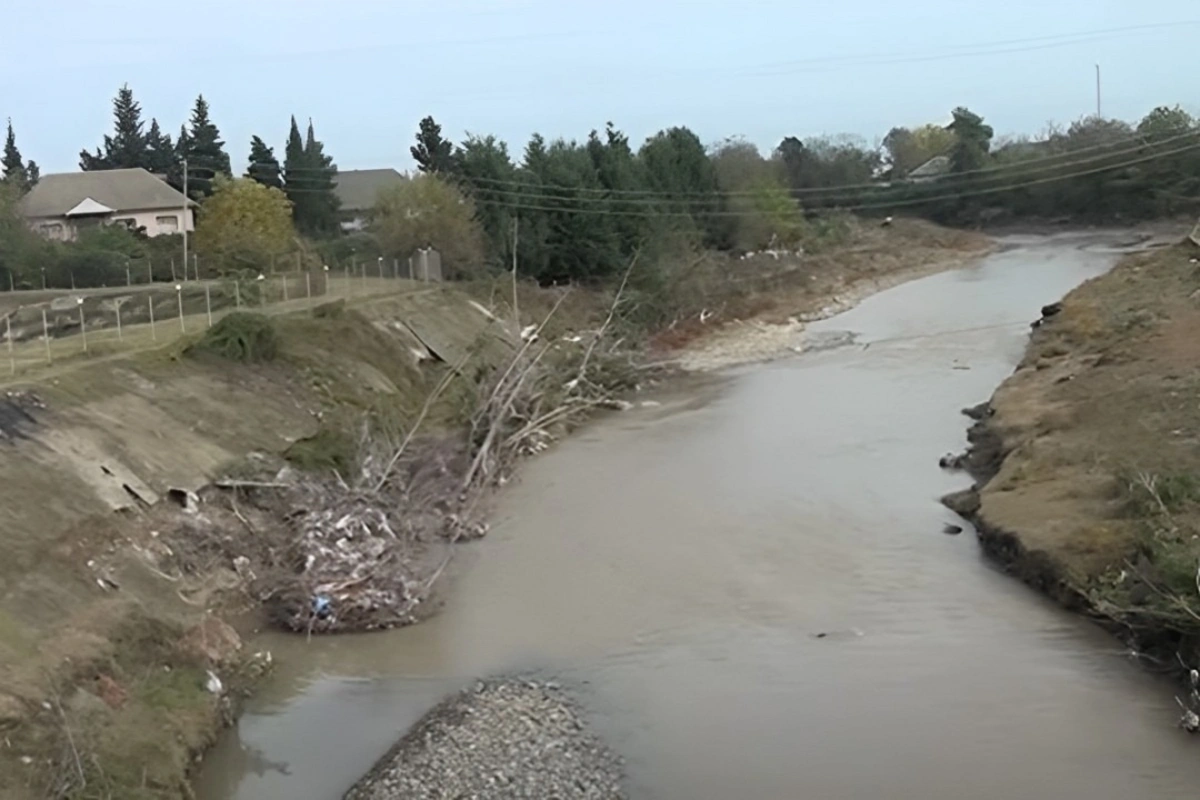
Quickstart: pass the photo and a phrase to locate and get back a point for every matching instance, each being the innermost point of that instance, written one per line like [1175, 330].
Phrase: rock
[952, 530]
[980, 411]
[952, 461]
[212, 642]
[964, 503]
[1051, 309]
[498, 739]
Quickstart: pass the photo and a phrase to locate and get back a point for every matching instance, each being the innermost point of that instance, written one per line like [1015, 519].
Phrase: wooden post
[46, 336]
[308, 286]
[82, 324]
[149, 270]
[153, 332]
[237, 293]
[179, 296]
[118, 304]
[347, 281]
[12, 361]
[208, 303]
[395, 268]
[285, 291]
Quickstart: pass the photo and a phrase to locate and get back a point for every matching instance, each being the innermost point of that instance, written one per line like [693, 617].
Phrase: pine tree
[295, 175]
[160, 151]
[12, 168]
[432, 153]
[204, 152]
[264, 167]
[14, 171]
[127, 146]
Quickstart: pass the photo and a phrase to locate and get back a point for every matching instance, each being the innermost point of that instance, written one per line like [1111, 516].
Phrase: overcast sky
[367, 71]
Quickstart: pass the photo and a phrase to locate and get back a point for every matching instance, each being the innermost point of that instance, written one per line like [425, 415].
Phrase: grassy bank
[1089, 460]
[392, 413]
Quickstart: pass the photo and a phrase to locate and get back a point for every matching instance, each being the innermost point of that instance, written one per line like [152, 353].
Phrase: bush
[242, 336]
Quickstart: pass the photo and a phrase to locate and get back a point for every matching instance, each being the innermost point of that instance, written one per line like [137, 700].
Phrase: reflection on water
[679, 563]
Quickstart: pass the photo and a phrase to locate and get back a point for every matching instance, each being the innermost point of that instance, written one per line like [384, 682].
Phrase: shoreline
[1068, 495]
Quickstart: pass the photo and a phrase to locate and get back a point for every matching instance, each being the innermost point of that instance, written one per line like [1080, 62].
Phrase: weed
[242, 336]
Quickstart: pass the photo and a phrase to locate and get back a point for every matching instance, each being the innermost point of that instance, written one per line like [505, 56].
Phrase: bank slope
[1089, 457]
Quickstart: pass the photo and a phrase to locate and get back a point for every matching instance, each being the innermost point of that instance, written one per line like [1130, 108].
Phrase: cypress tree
[432, 153]
[264, 167]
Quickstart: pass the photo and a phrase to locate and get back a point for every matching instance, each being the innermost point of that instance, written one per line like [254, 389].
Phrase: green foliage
[308, 180]
[245, 225]
[13, 171]
[126, 148]
[204, 152]
[908, 148]
[972, 141]
[432, 153]
[427, 210]
[264, 167]
[242, 336]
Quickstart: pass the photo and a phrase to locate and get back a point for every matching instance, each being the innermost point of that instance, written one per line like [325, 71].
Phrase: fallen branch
[612, 310]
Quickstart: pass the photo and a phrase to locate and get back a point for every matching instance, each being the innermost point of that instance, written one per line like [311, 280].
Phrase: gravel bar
[499, 739]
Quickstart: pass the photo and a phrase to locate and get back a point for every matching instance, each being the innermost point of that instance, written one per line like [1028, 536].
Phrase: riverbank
[1087, 461]
[142, 495]
[819, 287]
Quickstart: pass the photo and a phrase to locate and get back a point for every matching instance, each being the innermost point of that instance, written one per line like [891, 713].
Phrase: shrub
[242, 336]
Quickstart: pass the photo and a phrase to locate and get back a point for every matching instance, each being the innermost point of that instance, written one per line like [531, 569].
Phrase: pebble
[498, 739]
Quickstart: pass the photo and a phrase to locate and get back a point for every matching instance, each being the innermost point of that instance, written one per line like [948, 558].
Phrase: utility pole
[184, 220]
[1098, 116]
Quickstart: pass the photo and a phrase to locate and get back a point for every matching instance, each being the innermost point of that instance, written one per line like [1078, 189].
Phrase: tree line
[579, 209]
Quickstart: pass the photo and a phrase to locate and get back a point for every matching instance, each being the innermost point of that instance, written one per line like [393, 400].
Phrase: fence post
[237, 293]
[82, 323]
[118, 304]
[308, 286]
[128, 277]
[208, 303]
[179, 296]
[285, 292]
[381, 268]
[364, 278]
[46, 336]
[395, 268]
[149, 270]
[153, 332]
[12, 361]
[196, 265]
[347, 281]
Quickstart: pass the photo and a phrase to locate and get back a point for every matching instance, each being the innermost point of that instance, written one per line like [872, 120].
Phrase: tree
[972, 141]
[908, 148]
[1164, 123]
[309, 182]
[160, 151]
[244, 224]
[766, 214]
[13, 171]
[204, 152]
[490, 177]
[429, 210]
[126, 148]
[432, 153]
[264, 167]
[679, 169]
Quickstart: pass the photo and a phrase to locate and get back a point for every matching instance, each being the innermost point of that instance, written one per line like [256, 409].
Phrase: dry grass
[1103, 406]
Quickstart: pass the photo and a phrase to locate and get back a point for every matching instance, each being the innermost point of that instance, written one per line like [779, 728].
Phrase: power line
[1138, 141]
[902, 203]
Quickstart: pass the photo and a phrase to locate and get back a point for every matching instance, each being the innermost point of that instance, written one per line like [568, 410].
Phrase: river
[679, 563]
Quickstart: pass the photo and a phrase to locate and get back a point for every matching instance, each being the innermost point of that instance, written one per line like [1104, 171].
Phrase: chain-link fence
[43, 327]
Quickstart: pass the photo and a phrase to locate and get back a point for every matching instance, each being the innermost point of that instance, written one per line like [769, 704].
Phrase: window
[167, 224]
[52, 230]
[129, 223]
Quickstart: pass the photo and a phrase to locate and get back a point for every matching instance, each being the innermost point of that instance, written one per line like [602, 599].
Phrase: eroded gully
[678, 564]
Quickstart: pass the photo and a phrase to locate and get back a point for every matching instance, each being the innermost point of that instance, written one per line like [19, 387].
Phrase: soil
[1087, 461]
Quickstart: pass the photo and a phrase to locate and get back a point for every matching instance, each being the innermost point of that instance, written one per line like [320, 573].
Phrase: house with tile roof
[61, 205]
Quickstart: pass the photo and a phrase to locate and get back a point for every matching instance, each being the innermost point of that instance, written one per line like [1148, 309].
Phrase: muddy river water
[678, 563]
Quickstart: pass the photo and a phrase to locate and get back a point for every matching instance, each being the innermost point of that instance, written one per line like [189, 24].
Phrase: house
[931, 170]
[60, 205]
[358, 189]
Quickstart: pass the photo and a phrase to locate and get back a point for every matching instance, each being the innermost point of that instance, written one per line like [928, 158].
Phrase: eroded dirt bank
[1087, 460]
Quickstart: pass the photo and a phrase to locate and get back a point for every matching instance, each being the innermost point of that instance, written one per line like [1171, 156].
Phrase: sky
[367, 71]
